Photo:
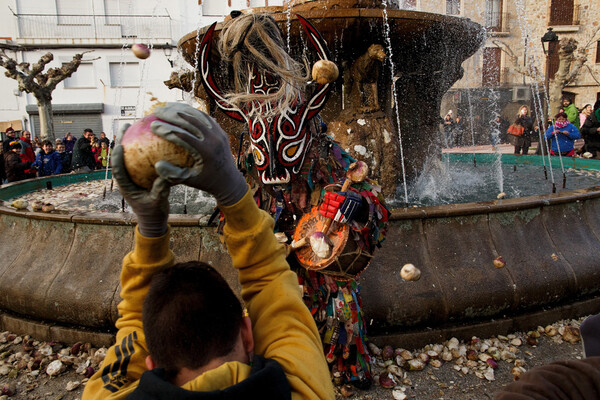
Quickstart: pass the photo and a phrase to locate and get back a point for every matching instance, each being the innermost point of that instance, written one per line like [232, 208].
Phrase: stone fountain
[427, 51]
[54, 283]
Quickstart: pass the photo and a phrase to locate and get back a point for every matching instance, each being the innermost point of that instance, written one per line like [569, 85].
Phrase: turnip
[324, 72]
[140, 50]
[142, 149]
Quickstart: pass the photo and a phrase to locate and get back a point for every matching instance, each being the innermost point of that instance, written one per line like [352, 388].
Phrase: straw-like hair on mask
[254, 40]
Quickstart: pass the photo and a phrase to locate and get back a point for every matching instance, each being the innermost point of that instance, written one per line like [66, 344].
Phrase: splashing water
[388, 42]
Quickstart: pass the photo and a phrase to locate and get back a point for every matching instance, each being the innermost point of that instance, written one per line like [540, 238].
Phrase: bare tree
[33, 79]
[572, 59]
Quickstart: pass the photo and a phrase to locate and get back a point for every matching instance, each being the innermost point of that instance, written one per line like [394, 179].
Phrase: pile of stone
[30, 360]
[480, 357]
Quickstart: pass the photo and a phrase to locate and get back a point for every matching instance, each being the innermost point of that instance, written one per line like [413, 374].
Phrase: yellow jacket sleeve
[124, 364]
[283, 328]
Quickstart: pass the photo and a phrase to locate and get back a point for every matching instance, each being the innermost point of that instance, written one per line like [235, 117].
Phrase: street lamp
[549, 37]
[168, 50]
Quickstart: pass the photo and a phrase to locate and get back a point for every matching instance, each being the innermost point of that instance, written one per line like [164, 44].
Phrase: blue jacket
[564, 142]
[48, 164]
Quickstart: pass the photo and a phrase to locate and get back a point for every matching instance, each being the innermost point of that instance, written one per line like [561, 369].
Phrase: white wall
[94, 86]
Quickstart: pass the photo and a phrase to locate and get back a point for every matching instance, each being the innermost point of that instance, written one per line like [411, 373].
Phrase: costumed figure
[296, 171]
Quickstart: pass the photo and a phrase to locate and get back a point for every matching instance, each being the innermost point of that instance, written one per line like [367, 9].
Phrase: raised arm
[283, 328]
[125, 360]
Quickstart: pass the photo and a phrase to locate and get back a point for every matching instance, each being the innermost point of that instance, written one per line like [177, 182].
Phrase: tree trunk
[46, 120]
[563, 74]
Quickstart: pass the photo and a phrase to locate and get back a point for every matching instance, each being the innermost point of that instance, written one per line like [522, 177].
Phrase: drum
[347, 260]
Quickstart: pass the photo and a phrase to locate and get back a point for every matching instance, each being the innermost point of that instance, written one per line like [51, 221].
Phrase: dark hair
[190, 317]
[45, 142]
[88, 130]
[596, 105]
[566, 98]
[561, 114]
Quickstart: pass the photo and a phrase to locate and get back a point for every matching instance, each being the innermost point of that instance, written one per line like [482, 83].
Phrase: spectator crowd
[26, 158]
[567, 125]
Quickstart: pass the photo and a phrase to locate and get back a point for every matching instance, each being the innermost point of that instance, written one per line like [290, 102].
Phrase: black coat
[15, 168]
[83, 155]
[589, 132]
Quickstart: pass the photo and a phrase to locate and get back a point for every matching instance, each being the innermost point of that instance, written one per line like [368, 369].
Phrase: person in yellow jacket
[181, 331]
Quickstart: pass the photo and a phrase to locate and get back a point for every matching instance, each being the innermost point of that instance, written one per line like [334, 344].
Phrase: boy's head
[60, 147]
[103, 144]
[15, 146]
[87, 133]
[191, 317]
[47, 146]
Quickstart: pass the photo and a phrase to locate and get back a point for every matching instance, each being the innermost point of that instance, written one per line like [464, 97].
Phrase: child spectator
[48, 162]
[103, 138]
[96, 152]
[65, 158]
[102, 155]
[14, 166]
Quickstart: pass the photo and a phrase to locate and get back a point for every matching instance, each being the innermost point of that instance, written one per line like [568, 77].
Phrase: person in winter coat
[563, 135]
[219, 351]
[27, 153]
[591, 131]
[102, 155]
[69, 142]
[523, 142]
[13, 165]
[10, 136]
[83, 156]
[572, 113]
[48, 162]
[65, 158]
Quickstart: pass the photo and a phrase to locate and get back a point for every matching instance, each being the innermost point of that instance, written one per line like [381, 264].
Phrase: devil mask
[267, 95]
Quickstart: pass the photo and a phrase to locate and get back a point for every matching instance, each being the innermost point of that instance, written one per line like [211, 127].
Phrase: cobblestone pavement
[30, 369]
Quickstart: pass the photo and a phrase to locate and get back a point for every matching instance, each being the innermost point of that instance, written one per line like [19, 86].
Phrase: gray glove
[150, 206]
[214, 170]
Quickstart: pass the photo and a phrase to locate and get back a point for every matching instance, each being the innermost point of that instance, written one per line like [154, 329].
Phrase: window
[598, 52]
[453, 7]
[561, 12]
[493, 15]
[84, 77]
[124, 74]
[491, 67]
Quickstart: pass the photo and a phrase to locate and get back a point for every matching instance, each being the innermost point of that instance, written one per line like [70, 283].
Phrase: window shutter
[561, 12]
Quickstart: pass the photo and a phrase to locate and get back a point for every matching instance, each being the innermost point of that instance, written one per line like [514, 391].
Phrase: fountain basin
[60, 272]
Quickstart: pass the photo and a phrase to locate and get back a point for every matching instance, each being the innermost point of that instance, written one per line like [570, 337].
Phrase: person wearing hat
[10, 136]
[591, 131]
[14, 166]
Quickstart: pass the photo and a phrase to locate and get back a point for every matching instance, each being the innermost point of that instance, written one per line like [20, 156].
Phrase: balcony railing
[62, 27]
[497, 21]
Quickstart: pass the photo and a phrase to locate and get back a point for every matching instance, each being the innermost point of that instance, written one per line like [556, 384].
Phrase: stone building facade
[492, 82]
